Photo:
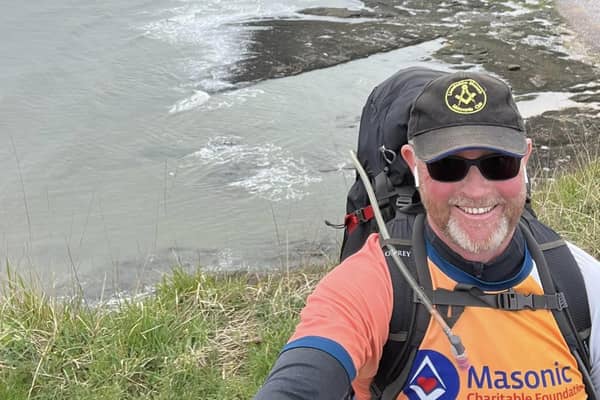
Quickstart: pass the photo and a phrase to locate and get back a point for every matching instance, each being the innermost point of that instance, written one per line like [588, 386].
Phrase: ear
[408, 154]
[528, 152]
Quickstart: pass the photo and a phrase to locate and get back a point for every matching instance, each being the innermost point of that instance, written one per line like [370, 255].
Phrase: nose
[474, 183]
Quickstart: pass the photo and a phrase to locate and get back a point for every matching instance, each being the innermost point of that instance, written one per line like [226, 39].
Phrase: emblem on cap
[466, 97]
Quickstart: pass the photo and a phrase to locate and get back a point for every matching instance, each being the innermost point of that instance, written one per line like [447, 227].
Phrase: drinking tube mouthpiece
[458, 350]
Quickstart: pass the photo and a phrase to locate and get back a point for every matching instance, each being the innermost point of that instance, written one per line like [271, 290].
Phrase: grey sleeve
[306, 374]
[590, 269]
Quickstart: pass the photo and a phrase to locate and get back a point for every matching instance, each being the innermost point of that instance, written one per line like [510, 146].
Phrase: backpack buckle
[402, 201]
[562, 301]
[514, 301]
[404, 196]
[360, 214]
[364, 214]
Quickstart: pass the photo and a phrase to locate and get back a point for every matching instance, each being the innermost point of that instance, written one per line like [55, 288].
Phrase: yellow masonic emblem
[466, 97]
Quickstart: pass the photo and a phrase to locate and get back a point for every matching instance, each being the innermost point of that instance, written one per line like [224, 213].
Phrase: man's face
[475, 217]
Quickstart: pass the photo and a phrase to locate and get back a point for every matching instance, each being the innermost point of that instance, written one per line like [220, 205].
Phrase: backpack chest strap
[470, 296]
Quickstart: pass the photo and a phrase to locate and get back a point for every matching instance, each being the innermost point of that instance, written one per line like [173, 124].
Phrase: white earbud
[416, 176]
[526, 177]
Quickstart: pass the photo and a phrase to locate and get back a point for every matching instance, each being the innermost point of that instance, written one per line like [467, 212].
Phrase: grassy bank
[571, 205]
[199, 336]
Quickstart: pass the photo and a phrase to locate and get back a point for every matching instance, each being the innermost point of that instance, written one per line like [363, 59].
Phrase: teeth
[476, 210]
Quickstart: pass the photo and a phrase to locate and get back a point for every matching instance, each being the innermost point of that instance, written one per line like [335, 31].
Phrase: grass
[571, 205]
[199, 335]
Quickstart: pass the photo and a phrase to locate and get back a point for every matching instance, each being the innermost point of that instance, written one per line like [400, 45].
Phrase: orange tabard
[513, 355]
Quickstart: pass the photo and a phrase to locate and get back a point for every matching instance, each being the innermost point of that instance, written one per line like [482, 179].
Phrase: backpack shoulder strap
[564, 271]
[559, 271]
[409, 318]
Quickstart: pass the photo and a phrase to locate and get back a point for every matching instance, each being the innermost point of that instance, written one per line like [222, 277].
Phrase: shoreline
[520, 41]
[528, 44]
[582, 17]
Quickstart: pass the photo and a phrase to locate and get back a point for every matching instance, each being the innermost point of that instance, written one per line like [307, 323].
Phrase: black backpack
[382, 132]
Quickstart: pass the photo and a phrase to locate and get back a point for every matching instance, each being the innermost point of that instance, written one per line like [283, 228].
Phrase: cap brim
[433, 145]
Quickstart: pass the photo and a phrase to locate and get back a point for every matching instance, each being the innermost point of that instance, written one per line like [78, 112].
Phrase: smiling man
[488, 272]
[455, 125]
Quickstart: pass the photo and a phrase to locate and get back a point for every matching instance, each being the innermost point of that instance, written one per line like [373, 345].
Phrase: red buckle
[357, 217]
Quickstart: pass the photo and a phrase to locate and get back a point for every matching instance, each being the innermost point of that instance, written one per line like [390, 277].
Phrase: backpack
[382, 133]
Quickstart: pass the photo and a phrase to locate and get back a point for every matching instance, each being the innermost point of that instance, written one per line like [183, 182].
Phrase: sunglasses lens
[449, 169]
[499, 168]
[495, 167]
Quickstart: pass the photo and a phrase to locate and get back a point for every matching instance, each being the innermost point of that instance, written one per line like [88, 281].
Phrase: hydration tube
[458, 350]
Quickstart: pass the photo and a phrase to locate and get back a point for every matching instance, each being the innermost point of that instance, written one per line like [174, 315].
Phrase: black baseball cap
[465, 110]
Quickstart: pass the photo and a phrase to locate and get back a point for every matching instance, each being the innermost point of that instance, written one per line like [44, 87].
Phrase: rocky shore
[583, 17]
[527, 42]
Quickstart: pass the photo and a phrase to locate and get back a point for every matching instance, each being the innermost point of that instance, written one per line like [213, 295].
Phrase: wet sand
[583, 17]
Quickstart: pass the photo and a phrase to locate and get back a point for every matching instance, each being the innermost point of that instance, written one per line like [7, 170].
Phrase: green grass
[571, 205]
[199, 335]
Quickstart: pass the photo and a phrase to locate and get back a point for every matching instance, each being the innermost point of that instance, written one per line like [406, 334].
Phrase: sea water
[126, 150]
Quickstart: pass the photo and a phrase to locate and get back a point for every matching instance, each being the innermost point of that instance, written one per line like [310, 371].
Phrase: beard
[458, 235]
[439, 214]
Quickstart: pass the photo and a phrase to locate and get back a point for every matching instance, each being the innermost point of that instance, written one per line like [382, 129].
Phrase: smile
[476, 210]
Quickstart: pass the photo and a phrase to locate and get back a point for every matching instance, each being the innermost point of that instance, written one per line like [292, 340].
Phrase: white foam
[542, 22]
[232, 98]
[589, 85]
[517, 9]
[215, 24]
[553, 43]
[195, 100]
[412, 11]
[214, 32]
[265, 170]
[287, 181]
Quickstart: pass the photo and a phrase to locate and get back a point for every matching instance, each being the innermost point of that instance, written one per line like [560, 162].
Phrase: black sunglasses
[494, 167]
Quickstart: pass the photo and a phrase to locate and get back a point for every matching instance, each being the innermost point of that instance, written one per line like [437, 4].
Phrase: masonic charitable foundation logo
[435, 377]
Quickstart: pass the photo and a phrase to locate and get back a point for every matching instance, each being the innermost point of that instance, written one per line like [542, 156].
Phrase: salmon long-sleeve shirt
[335, 351]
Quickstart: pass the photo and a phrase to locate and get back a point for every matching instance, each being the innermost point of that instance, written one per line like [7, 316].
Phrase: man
[468, 153]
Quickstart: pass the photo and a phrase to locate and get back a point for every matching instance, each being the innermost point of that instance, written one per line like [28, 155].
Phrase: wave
[212, 37]
[195, 100]
[265, 170]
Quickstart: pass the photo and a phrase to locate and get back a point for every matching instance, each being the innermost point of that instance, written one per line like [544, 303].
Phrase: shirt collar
[508, 266]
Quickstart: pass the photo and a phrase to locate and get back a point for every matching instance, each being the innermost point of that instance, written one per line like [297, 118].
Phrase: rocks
[292, 47]
[338, 12]
[522, 43]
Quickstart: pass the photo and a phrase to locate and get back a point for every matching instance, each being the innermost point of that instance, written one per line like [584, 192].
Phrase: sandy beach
[583, 17]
